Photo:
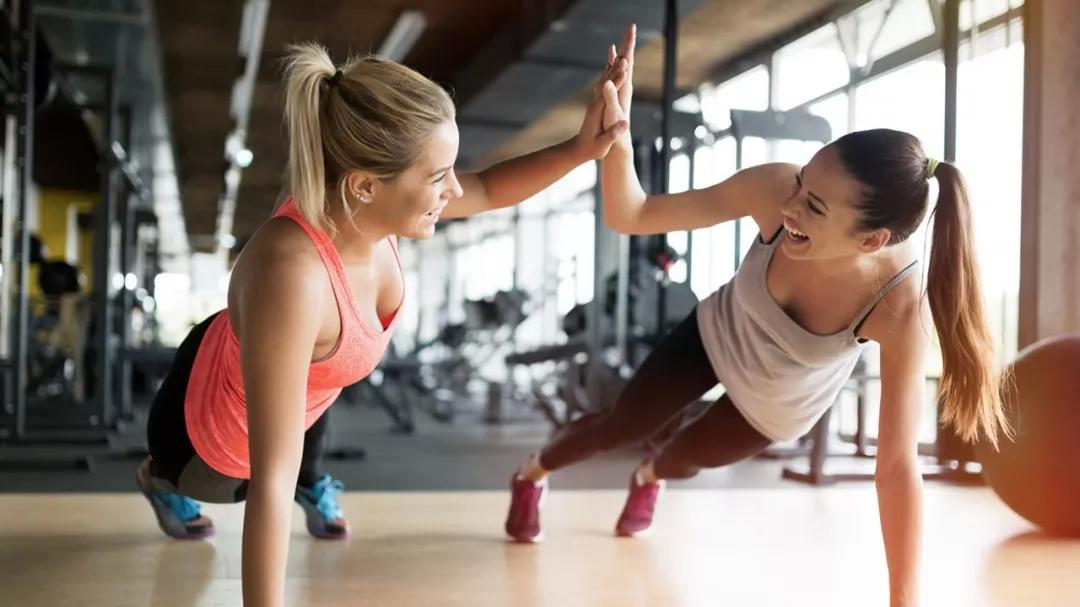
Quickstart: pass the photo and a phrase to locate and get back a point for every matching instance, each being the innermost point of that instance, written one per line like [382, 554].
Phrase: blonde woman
[315, 295]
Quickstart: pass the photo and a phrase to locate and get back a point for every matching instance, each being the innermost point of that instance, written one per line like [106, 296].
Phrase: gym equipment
[438, 377]
[943, 459]
[611, 335]
[573, 384]
[32, 80]
[1038, 473]
[58, 334]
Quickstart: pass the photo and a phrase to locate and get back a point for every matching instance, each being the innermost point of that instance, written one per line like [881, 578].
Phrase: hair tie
[335, 78]
[931, 167]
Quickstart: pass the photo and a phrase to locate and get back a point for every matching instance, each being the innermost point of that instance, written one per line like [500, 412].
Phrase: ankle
[646, 474]
[146, 470]
[532, 470]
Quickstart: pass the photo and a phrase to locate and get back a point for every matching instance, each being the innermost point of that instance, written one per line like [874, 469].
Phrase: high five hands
[607, 117]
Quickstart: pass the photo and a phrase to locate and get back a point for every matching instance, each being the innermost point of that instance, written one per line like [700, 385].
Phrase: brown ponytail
[895, 174]
[969, 395]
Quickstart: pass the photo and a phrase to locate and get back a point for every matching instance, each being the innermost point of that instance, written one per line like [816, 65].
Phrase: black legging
[674, 375]
[171, 448]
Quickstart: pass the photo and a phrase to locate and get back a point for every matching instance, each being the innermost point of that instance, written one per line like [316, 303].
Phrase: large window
[980, 11]
[713, 248]
[747, 91]
[810, 67]
[909, 99]
[989, 152]
[833, 72]
[883, 26]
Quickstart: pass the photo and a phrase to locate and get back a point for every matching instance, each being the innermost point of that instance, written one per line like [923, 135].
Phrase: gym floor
[762, 547]
[427, 533]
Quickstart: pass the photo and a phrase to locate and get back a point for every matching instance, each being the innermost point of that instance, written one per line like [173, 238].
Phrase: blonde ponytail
[376, 116]
[308, 72]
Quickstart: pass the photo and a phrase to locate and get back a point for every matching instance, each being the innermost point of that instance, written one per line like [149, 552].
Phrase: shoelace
[325, 494]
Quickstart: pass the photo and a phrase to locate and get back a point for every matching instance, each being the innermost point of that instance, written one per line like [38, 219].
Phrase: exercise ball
[1037, 473]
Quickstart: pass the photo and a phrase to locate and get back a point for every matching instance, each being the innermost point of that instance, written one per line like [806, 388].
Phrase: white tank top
[780, 376]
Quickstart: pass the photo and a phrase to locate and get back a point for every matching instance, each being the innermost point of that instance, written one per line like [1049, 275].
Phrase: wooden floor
[754, 547]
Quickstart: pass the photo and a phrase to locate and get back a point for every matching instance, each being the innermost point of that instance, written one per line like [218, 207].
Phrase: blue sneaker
[323, 512]
[178, 516]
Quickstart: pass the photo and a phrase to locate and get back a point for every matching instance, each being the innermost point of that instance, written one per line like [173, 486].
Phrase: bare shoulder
[770, 185]
[279, 264]
[899, 317]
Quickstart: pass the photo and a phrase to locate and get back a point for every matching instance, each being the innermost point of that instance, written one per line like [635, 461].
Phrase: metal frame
[662, 185]
[23, 56]
[94, 428]
[895, 60]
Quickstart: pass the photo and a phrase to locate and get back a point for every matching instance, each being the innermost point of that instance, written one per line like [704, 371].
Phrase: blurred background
[143, 147]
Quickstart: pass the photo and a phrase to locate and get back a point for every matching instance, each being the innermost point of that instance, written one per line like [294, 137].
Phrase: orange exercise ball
[1038, 472]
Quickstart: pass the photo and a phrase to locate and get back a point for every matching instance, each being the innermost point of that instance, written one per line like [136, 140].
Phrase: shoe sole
[322, 535]
[314, 529]
[526, 540]
[632, 534]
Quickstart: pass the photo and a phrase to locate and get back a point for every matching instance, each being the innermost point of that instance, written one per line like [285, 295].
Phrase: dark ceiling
[460, 48]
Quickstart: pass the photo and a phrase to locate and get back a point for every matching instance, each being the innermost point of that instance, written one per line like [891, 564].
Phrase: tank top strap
[882, 292]
[327, 251]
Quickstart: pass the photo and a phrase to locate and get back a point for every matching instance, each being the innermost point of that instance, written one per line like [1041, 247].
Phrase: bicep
[903, 355]
[755, 192]
[277, 330]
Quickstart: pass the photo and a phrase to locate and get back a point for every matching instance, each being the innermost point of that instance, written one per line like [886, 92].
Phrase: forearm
[513, 181]
[267, 521]
[622, 193]
[900, 496]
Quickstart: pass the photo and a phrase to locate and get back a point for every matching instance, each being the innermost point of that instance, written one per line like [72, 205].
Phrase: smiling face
[821, 220]
[409, 203]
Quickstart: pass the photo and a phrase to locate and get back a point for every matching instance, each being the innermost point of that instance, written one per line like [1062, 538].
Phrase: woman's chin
[422, 231]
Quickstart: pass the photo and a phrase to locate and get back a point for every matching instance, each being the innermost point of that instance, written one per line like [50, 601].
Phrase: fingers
[616, 73]
[629, 41]
[609, 136]
[621, 73]
[625, 97]
[612, 110]
[611, 94]
[611, 55]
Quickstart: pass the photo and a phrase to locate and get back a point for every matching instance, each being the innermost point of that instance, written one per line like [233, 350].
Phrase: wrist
[576, 150]
[907, 597]
[623, 146]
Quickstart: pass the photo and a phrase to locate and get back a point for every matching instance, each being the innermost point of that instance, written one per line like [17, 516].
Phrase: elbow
[624, 217]
[618, 225]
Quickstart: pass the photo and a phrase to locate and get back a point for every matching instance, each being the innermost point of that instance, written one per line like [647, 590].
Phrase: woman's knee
[201, 482]
[667, 465]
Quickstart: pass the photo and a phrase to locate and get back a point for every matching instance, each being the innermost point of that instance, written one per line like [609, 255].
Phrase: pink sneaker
[523, 520]
[637, 514]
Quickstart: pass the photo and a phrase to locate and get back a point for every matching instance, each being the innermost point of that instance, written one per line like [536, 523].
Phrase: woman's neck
[354, 238]
[862, 268]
